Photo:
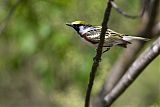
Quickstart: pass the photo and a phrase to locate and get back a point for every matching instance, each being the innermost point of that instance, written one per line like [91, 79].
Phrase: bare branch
[134, 71]
[97, 58]
[122, 65]
[119, 10]
[149, 30]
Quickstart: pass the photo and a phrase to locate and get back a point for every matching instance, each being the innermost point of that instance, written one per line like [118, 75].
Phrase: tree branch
[134, 71]
[149, 29]
[122, 65]
[97, 58]
[119, 10]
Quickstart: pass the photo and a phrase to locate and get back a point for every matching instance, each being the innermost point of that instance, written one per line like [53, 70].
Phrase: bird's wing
[112, 33]
[111, 37]
[95, 32]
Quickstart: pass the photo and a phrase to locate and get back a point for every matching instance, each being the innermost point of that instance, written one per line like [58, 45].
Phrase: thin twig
[97, 58]
[134, 71]
[119, 10]
[148, 31]
[5, 21]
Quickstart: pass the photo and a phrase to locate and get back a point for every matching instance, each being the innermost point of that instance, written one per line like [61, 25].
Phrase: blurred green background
[43, 63]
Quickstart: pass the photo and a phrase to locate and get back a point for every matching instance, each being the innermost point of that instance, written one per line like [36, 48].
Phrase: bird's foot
[106, 50]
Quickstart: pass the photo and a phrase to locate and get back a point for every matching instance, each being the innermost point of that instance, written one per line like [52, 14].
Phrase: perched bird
[91, 34]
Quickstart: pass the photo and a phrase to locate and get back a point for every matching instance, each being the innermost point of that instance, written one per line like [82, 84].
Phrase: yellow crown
[79, 22]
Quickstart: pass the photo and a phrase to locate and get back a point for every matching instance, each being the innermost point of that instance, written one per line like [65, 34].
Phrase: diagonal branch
[97, 58]
[134, 71]
[122, 65]
[149, 30]
[119, 10]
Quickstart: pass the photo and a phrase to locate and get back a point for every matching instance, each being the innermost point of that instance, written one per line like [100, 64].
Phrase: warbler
[91, 34]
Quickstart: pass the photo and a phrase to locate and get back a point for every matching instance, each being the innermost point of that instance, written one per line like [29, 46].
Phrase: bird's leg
[106, 50]
[94, 59]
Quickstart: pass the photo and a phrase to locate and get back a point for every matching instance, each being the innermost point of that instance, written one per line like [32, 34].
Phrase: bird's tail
[130, 38]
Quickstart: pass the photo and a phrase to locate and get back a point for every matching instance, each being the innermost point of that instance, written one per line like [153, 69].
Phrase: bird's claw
[94, 59]
[106, 50]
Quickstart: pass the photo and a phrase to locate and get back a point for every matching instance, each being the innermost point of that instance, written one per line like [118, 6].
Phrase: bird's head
[79, 26]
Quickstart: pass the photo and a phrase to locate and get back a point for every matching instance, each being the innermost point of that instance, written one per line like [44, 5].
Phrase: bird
[91, 34]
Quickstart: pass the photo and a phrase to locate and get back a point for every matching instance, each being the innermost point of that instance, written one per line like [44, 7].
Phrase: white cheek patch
[82, 30]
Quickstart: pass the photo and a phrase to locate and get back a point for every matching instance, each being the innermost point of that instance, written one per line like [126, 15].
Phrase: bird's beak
[69, 24]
